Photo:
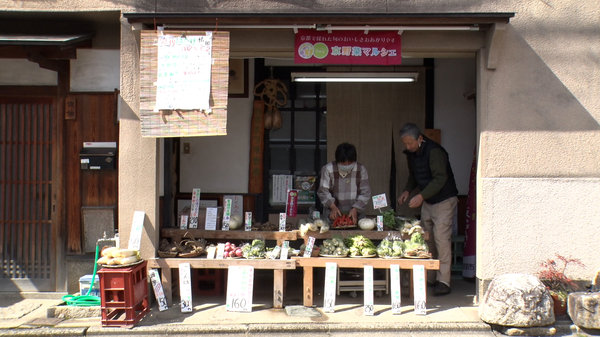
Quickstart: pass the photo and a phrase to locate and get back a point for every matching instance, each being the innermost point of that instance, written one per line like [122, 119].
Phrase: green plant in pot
[552, 275]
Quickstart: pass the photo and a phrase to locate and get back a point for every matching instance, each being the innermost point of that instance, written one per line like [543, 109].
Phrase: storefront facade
[537, 111]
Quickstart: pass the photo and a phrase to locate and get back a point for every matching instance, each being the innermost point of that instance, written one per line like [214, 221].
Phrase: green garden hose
[86, 300]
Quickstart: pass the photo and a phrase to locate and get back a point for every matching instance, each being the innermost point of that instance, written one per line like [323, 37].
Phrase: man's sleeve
[324, 186]
[437, 165]
[364, 190]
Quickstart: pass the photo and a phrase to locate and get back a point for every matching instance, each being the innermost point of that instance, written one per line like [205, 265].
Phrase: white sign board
[380, 223]
[158, 290]
[240, 283]
[220, 251]
[330, 288]
[185, 287]
[369, 308]
[419, 287]
[379, 201]
[396, 291]
[211, 252]
[137, 226]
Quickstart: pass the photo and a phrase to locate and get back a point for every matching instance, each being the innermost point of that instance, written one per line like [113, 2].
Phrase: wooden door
[27, 199]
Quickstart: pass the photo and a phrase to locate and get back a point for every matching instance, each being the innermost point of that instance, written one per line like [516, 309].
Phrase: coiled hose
[86, 300]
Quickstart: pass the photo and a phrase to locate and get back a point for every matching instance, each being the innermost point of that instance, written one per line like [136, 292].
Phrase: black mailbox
[98, 156]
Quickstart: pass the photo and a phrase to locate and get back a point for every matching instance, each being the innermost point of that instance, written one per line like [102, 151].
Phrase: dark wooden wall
[93, 118]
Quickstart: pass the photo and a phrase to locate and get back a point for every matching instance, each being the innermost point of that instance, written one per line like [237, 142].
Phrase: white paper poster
[184, 72]
[419, 287]
[240, 284]
[396, 292]
[369, 308]
[137, 226]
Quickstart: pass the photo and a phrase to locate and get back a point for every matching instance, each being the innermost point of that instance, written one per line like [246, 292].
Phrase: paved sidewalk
[451, 315]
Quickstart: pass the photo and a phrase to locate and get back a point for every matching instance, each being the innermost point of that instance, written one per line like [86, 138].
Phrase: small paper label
[284, 253]
[330, 288]
[248, 221]
[282, 220]
[419, 287]
[316, 215]
[183, 223]
[226, 214]
[240, 284]
[369, 309]
[185, 287]
[379, 201]
[309, 246]
[396, 291]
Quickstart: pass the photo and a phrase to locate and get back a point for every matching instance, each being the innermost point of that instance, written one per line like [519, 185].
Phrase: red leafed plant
[553, 276]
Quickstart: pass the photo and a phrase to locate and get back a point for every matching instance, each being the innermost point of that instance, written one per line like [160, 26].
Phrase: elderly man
[430, 173]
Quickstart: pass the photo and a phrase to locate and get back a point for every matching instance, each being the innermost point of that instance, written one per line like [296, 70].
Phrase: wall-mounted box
[98, 156]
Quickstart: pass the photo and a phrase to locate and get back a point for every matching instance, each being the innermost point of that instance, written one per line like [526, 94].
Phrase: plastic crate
[208, 282]
[123, 295]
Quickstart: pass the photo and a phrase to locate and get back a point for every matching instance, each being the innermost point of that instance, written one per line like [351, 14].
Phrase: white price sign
[379, 201]
[185, 287]
[369, 309]
[158, 290]
[419, 287]
[227, 214]
[309, 247]
[240, 282]
[282, 219]
[248, 221]
[211, 252]
[220, 251]
[210, 223]
[183, 224]
[330, 288]
[396, 291]
[380, 223]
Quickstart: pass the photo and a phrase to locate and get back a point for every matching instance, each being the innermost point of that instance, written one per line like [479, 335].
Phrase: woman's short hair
[345, 152]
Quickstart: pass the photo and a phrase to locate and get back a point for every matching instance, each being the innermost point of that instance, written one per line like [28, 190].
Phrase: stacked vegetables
[360, 246]
[416, 246]
[116, 256]
[334, 246]
[391, 247]
[255, 250]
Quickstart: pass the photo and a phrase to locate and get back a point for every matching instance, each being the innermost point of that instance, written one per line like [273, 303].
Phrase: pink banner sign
[292, 203]
[347, 47]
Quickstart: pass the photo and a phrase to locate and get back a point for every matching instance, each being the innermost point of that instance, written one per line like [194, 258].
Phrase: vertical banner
[347, 47]
[419, 291]
[158, 289]
[185, 287]
[291, 206]
[240, 283]
[369, 308]
[226, 214]
[396, 289]
[330, 287]
[195, 208]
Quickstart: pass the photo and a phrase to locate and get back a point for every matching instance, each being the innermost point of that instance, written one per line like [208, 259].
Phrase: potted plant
[552, 275]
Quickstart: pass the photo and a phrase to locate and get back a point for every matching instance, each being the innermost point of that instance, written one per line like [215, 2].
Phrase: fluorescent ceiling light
[404, 77]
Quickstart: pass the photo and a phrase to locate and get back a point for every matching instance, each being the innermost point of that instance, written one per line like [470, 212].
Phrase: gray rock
[517, 300]
[584, 309]
[535, 331]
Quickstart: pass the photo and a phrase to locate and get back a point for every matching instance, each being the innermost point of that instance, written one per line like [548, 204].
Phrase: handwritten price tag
[379, 201]
[227, 214]
[369, 309]
[395, 289]
[240, 283]
[185, 287]
[158, 290]
[220, 251]
[195, 208]
[380, 223]
[309, 247]
[183, 224]
[282, 219]
[419, 289]
[330, 289]
[248, 221]
[211, 251]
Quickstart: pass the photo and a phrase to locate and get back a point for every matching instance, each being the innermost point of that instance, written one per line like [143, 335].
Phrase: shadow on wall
[525, 95]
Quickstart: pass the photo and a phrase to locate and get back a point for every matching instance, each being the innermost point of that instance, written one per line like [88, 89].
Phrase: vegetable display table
[278, 266]
[308, 263]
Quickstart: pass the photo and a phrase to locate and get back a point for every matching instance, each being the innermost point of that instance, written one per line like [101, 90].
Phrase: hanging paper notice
[240, 283]
[347, 47]
[369, 308]
[185, 287]
[419, 289]
[158, 290]
[396, 289]
[330, 289]
[183, 72]
[137, 226]
[211, 218]
[248, 221]
[379, 201]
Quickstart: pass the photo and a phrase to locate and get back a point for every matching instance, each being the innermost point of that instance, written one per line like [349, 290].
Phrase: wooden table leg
[166, 283]
[308, 286]
[278, 288]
